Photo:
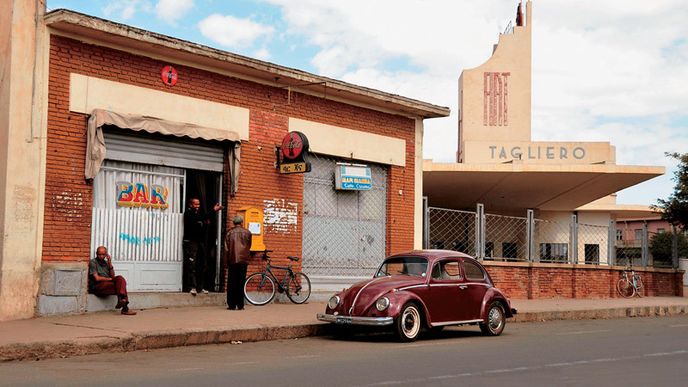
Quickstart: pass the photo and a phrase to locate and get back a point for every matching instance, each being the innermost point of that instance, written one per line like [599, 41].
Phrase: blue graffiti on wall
[135, 240]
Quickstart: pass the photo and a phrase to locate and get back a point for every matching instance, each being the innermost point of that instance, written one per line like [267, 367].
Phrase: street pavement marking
[678, 326]
[525, 368]
[582, 332]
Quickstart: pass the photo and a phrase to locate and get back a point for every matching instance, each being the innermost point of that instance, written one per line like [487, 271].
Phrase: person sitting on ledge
[102, 280]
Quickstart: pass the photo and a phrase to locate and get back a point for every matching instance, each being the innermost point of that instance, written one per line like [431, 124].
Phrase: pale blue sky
[612, 71]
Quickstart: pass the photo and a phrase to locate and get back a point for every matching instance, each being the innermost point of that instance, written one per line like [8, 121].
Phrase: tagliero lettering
[141, 195]
[537, 152]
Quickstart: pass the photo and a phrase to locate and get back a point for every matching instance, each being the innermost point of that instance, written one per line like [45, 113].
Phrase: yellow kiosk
[253, 222]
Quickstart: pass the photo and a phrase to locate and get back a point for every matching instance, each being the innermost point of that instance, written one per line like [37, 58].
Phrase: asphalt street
[620, 352]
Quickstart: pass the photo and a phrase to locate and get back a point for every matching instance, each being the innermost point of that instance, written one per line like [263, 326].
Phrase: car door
[443, 301]
[473, 288]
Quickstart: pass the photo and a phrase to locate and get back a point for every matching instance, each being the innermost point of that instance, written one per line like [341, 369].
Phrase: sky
[612, 70]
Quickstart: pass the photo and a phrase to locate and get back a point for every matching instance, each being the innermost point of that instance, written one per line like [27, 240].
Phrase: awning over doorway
[95, 143]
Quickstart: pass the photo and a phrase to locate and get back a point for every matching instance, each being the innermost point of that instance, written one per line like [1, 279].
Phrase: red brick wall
[534, 281]
[69, 197]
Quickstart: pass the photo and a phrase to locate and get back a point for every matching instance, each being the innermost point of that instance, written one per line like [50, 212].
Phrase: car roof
[434, 255]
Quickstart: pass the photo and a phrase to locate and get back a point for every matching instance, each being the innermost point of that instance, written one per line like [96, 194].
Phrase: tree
[675, 208]
[661, 245]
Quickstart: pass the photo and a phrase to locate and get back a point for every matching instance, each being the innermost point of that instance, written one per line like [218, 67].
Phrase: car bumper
[354, 320]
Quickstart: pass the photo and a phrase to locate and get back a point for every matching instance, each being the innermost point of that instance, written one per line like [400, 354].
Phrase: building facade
[136, 124]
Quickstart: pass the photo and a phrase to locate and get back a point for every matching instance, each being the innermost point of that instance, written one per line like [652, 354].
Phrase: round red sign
[293, 145]
[169, 75]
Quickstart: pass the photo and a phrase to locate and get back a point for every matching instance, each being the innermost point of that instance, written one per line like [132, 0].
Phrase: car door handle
[462, 287]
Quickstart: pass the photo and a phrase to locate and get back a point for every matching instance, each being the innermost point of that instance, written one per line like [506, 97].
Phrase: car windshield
[415, 266]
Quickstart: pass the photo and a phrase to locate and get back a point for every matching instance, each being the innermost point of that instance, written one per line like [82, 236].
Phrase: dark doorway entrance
[207, 187]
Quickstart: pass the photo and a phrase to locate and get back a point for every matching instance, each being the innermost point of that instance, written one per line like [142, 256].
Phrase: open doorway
[207, 187]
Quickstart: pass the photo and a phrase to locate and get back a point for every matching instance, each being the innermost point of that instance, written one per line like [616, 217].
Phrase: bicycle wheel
[625, 288]
[259, 289]
[299, 288]
[639, 286]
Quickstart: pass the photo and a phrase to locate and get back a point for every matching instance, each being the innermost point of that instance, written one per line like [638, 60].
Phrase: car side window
[446, 271]
[473, 271]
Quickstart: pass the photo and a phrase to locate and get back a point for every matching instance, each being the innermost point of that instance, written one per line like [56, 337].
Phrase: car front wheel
[494, 321]
[408, 323]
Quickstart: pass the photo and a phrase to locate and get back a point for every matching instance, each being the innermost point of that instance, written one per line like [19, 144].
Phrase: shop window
[592, 254]
[554, 252]
[509, 250]
[489, 249]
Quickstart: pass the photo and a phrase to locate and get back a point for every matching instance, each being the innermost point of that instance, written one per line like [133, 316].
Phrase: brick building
[136, 123]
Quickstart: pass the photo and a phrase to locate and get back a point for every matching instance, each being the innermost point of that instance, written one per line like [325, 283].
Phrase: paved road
[623, 352]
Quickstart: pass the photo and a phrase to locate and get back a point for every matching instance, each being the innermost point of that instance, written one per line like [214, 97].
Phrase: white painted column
[418, 187]
[23, 94]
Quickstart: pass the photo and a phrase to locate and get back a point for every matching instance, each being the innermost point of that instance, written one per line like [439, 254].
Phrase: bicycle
[630, 284]
[259, 288]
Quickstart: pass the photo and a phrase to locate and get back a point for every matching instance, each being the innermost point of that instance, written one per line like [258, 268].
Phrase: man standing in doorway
[195, 228]
[237, 251]
[102, 280]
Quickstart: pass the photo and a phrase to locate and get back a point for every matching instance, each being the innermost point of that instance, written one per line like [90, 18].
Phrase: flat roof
[520, 186]
[95, 30]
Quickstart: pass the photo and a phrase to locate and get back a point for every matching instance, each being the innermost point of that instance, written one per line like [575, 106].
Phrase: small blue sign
[353, 177]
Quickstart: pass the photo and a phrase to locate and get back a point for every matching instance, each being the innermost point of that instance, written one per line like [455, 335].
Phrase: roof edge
[60, 18]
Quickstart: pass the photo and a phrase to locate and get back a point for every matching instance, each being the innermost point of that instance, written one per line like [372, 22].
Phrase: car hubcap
[410, 322]
[495, 319]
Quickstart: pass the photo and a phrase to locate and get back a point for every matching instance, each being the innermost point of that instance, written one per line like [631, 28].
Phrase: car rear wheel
[408, 323]
[494, 321]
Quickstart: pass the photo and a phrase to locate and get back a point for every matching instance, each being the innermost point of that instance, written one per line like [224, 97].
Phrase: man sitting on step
[102, 280]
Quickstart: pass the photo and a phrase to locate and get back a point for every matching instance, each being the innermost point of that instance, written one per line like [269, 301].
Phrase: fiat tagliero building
[541, 214]
[128, 125]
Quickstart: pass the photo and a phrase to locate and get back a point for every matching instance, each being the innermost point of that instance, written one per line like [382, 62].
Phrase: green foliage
[660, 246]
[675, 208]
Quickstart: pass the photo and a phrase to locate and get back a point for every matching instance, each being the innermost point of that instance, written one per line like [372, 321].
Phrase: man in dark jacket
[102, 280]
[195, 229]
[237, 251]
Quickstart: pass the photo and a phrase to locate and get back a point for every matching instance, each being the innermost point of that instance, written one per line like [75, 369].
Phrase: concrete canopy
[513, 188]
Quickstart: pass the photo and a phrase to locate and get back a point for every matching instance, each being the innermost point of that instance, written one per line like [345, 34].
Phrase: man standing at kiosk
[237, 251]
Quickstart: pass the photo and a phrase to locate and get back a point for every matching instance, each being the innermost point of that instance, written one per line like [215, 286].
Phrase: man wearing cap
[237, 251]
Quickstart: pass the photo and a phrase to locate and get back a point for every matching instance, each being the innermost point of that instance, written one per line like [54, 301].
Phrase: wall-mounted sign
[291, 157]
[169, 75]
[141, 195]
[353, 177]
[496, 98]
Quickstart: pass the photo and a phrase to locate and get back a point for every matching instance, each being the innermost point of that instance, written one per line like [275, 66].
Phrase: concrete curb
[597, 314]
[180, 338]
[156, 340]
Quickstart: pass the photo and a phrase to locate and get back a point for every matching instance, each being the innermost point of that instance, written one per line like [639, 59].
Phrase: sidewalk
[51, 337]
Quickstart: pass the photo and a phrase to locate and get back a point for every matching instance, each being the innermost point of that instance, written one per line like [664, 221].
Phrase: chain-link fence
[452, 230]
[552, 241]
[556, 239]
[593, 244]
[506, 238]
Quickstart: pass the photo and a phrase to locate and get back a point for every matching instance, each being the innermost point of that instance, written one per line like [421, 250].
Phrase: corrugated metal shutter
[168, 152]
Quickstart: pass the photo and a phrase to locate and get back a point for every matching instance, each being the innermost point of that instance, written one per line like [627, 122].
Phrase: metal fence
[554, 240]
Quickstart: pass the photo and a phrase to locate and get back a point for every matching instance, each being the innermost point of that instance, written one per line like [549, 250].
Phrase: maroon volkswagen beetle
[423, 289]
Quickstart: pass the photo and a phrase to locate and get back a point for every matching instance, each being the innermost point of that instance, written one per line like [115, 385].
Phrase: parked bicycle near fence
[260, 287]
[630, 284]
